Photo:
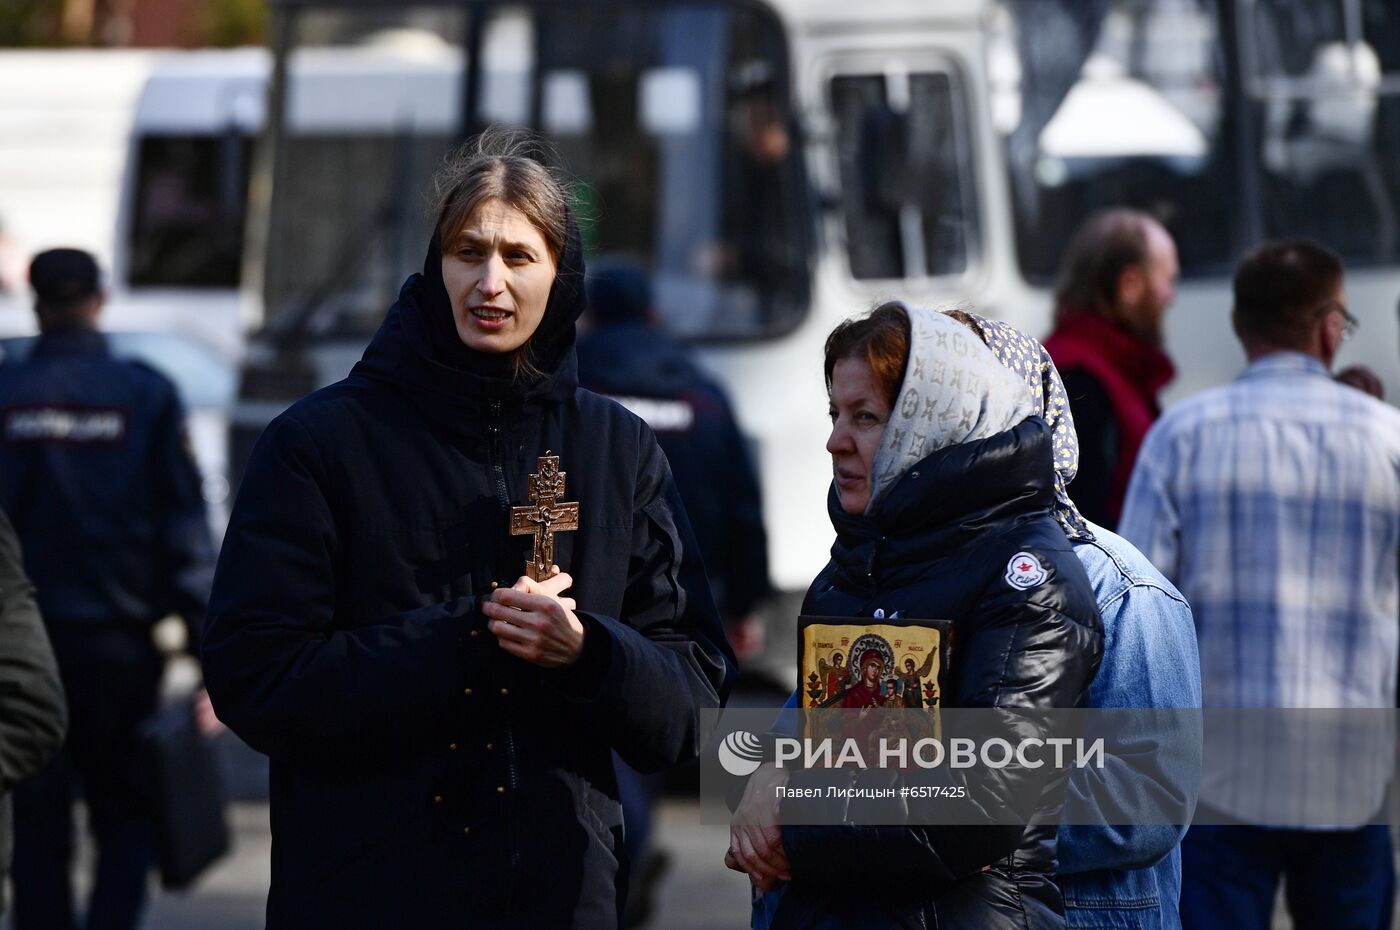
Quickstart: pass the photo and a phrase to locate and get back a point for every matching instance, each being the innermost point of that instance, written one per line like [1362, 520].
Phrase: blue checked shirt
[1273, 504]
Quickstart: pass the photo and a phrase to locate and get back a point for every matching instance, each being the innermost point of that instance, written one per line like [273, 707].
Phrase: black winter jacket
[938, 546]
[422, 777]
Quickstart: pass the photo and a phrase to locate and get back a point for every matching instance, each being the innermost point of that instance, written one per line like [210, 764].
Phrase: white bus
[782, 164]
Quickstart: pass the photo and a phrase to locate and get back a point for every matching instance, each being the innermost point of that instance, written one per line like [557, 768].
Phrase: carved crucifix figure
[545, 517]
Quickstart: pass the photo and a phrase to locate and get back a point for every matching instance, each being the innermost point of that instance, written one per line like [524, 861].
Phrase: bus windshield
[1107, 103]
[1232, 123]
[674, 119]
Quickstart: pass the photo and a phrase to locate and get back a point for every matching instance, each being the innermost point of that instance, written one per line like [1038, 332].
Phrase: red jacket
[1131, 373]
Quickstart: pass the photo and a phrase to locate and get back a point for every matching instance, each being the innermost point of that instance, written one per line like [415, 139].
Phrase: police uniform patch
[74, 425]
[1024, 571]
[661, 414]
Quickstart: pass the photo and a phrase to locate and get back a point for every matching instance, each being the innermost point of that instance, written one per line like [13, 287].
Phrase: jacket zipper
[503, 498]
[514, 786]
[872, 589]
[493, 428]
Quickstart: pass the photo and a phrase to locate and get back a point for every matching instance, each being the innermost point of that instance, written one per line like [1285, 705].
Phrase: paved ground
[697, 894]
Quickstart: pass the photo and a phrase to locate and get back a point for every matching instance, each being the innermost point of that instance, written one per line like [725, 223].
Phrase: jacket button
[495, 585]
[489, 747]
[437, 799]
[466, 831]
[475, 634]
[500, 789]
[505, 692]
[467, 692]
[452, 746]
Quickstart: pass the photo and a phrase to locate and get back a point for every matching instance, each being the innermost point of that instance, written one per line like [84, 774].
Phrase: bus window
[1326, 88]
[905, 157]
[191, 196]
[675, 118]
[1114, 103]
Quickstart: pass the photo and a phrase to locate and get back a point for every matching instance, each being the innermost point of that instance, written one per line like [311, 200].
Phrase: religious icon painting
[865, 662]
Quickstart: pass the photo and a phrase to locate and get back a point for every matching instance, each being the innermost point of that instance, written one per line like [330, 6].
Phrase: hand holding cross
[532, 619]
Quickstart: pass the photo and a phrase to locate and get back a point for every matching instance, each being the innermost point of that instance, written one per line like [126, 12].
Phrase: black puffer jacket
[939, 545]
[422, 777]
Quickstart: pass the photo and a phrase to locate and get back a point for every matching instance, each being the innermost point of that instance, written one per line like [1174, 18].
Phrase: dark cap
[62, 275]
[619, 291]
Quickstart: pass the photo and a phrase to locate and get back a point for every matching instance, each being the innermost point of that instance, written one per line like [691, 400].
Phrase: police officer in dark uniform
[655, 376]
[96, 474]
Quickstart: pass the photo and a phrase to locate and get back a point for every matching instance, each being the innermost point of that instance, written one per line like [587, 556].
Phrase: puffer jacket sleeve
[278, 673]
[1031, 644]
[1018, 648]
[33, 712]
[667, 659]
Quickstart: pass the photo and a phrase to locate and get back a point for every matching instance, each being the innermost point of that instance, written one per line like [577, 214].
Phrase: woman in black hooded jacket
[942, 500]
[440, 732]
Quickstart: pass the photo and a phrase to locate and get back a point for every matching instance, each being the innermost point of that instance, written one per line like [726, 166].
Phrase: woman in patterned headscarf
[947, 504]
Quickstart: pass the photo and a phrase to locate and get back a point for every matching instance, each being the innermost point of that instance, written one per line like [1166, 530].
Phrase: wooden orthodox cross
[545, 517]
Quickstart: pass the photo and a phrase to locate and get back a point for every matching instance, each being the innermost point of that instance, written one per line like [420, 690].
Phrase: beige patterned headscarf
[954, 391]
[1029, 360]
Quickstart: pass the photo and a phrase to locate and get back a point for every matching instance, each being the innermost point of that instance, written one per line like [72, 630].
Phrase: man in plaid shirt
[1273, 504]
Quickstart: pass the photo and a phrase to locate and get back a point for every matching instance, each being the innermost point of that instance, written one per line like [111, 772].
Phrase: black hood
[417, 347]
[637, 359]
[946, 498]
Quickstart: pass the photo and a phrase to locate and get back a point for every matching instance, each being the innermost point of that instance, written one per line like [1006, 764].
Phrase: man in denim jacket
[1130, 876]
[1120, 876]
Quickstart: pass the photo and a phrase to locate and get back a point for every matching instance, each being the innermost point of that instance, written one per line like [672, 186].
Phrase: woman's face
[858, 416]
[498, 272]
